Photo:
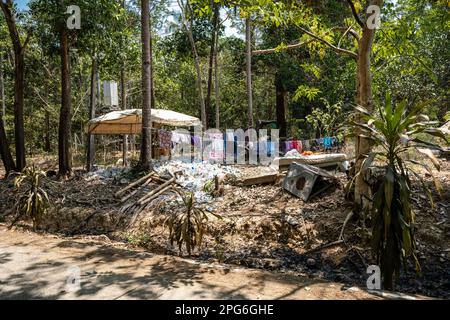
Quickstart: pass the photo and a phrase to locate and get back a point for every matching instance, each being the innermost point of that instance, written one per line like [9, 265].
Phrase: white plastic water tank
[110, 93]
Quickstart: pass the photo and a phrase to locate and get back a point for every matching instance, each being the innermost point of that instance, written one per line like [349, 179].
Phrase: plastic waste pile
[194, 176]
[110, 173]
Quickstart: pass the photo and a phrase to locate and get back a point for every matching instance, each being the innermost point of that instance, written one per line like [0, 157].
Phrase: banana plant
[32, 200]
[393, 132]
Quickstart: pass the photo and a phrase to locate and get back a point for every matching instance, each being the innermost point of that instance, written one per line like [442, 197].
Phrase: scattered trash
[193, 176]
[306, 181]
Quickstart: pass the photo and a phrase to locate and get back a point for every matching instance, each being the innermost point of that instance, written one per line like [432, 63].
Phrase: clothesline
[177, 137]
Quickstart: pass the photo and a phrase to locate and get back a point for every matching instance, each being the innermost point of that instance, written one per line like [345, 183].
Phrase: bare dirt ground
[263, 227]
[36, 266]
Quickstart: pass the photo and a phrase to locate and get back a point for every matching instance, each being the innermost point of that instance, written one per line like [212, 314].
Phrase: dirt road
[36, 266]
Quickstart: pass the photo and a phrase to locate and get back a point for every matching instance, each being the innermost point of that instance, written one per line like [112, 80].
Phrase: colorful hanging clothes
[289, 146]
[296, 144]
[217, 146]
[328, 143]
[164, 139]
[196, 141]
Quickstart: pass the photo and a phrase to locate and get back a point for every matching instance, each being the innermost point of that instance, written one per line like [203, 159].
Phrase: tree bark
[92, 106]
[216, 81]
[152, 78]
[248, 42]
[281, 106]
[146, 146]
[364, 99]
[65, 118]
[123, 98]
[2, 90]
[123, 102]
[212, 60]
[19, 82]
[48, 145]
[188, 27]
[5, 151]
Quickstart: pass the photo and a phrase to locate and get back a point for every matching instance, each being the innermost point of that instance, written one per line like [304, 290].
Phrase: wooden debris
[146, 183]
[262, 179]
[154, 195]
[132, 185]
[142, 201]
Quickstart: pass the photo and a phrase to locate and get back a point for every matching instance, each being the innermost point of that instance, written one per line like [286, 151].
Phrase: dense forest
[293, 77]
[374, 74]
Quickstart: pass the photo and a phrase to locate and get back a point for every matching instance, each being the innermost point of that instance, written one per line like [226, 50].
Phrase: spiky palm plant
[394, 132]
[189, 226]
[32, 199]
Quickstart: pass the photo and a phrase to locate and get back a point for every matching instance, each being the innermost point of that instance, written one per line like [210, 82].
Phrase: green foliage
[325, 120]
[140, 239]
[304, 91]
[32, 200]
[189, 226]
[447, 116]
[393, 133]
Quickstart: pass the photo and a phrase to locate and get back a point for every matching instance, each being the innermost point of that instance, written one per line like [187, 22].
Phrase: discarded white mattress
[130, 121]
[319, 160]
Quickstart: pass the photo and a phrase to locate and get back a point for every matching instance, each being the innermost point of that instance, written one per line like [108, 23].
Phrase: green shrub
[394, 132]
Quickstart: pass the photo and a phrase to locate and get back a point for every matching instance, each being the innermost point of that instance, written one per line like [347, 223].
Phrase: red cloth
[296, 144]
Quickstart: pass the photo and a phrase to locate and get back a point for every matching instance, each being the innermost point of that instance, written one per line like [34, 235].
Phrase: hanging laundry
[262, 145]
[178, 138]
[288, 146]
[217, 146]
[296, 144]
[164, 139]
[327, 143]
[230, 136]
[197, 141]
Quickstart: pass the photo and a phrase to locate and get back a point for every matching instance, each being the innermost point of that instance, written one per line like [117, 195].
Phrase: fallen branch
[347, 219]
[156, 191]
[328, 245]
[131, 185]
[146, 183]
[152, 197]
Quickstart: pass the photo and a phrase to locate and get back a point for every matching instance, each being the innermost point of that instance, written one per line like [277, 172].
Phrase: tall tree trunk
[212, 59]
[186, 9]
[146, 146]
[123, 102]
[48, 145]
[123, 97]
[152, 78]
[2, 90]
[364, 99]
[248, 42]
[64, 148]
[5, 152]
[92, 106]
[19, 82]
[216, 81]
[281, 106]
